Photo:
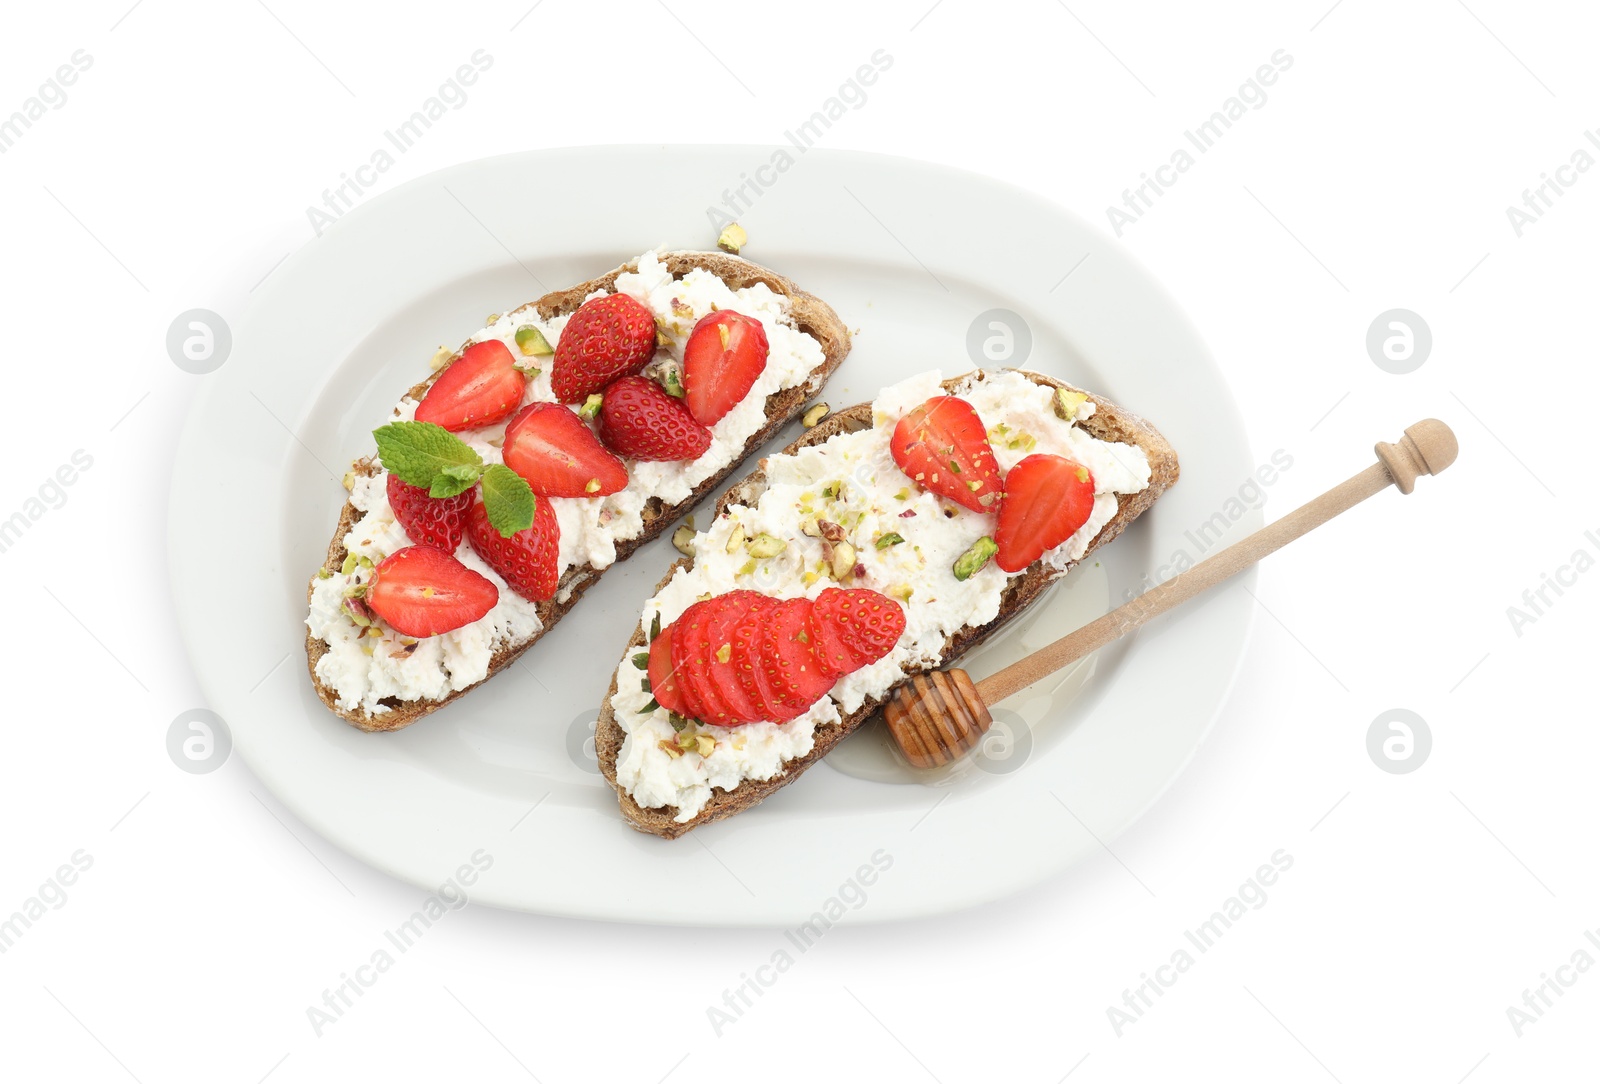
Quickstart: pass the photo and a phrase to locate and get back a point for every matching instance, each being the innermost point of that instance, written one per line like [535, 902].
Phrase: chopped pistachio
[348, 481]
[977, 555]
[1083, 473]
[324, 574]
[887, 540]
[592, 486]
[440, 356]
[747, 568]
[672, 381]
[642, 660]
[904, 494]
[532, 343]
[705, 744]
[814, 414]
[494, 318]
[669, 748]
[809, 528]
[1068, 402]
[724, 652]
[735, 538]
[427, 592]
[683, 540]
[765, 545]
[591, 406]
[902, 591]
[809, 578]
[662, 338]
[349, 565]
[974, 485]
[732, 238]
[842, 561]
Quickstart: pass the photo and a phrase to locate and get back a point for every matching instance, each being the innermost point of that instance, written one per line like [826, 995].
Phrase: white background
[1419, 907]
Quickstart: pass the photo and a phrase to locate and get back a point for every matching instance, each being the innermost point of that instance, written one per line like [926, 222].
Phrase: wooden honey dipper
[940, 716]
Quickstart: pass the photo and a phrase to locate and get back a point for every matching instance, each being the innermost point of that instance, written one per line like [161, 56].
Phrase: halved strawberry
[752, 680]
[480, 387]
[691, 662]
[422, 591]
[664, 682]
[725, 354]
[787, 663]
[429, 521]
[1047, 498]
[559, 456]
[526, 560]
[941, 445]
[640, 420]
[726, 615]
[606, 338]
[856, 625]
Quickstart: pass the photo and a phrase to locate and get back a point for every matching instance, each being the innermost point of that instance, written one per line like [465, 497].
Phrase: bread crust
[810, 314]
[1110, 422]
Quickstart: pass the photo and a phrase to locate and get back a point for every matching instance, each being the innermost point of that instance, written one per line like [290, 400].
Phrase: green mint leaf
[507, 500]
[419, 453]
[455, 479]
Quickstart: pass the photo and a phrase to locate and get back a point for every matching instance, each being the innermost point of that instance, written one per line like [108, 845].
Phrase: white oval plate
[907, 253]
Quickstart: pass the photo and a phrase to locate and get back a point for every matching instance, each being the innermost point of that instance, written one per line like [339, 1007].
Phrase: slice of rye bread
[1109, 422]
[809, 313]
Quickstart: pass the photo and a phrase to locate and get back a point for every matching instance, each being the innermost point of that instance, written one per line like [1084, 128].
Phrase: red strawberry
[429, 521]
[691, 662]
[479, 388]
[788, 666]
[421, 591]
[526, 560]
[664, 682]
[1047, 498]
[727, 616]
[855, 626]
[941, 445]
[559, 456]
[747, 662]
[606, 338]
[640, 420]
[725, 354]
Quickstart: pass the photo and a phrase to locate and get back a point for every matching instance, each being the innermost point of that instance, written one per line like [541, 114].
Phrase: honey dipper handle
[1427, 448]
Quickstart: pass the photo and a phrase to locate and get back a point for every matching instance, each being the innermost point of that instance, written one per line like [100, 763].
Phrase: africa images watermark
[1250, 896]
[450, 896]
[852, 94]
[850, 896]
[1539, 999]
[1251, 494]
[51, 494]
[452, 94]
[1536, 601]
[52, 94]
[52, 894]
[1553, 185]
[1252, 94]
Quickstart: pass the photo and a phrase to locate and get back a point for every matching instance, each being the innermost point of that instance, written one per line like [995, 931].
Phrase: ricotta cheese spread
[852, 480]
[366, 666]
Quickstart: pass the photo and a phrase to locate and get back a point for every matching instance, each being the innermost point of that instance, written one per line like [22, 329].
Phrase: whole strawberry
[429, 521]
[640, 420]
[606, 338]
[527, 559]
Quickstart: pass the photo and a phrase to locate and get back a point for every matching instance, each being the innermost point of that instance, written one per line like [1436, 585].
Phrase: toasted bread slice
[1109, 423]
[809, 313]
